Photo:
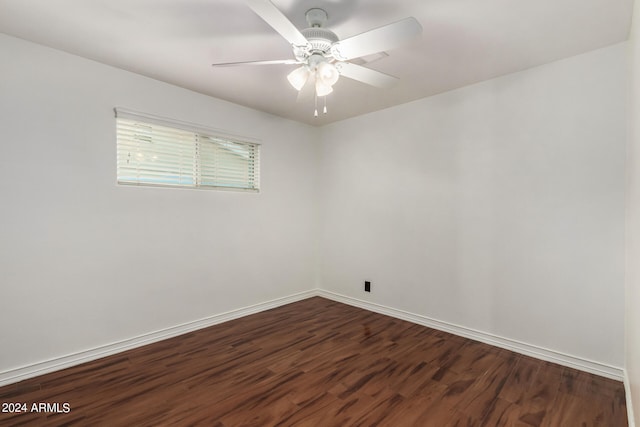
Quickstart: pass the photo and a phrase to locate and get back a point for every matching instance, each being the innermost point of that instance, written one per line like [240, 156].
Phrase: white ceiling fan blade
[272, 16]
[365, 75]
[377, 40]
[275, 62]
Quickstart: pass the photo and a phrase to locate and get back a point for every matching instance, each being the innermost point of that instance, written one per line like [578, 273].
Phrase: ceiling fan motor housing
[320, 39]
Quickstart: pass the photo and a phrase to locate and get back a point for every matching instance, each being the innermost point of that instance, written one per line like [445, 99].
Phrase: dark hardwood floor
[319, 363]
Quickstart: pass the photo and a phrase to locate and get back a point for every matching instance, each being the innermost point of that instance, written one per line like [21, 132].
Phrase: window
[159, 152]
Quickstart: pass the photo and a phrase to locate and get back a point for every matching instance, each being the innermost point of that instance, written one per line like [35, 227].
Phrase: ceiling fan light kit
[322, 55]
[299, 77]
[327, 73]
[322, 89]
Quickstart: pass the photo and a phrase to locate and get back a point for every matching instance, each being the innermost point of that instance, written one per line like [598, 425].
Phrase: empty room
[320, 213]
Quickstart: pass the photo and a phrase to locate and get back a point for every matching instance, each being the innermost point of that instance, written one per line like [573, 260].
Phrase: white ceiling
[176, 41]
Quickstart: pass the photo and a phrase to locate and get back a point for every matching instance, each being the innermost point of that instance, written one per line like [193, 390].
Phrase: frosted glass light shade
[322, 89]
[327, 73]
[299, 77]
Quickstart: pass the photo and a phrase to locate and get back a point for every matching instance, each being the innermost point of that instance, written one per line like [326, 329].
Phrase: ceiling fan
[322, 56]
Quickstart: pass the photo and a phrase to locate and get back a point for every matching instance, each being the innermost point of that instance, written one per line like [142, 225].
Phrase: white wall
[632, 341]
[84, 262]
[497, 207]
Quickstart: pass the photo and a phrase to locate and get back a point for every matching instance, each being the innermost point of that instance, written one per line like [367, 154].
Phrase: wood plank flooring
[319, 363]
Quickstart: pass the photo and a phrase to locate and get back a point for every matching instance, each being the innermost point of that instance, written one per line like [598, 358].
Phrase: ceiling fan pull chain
[325, 106]
[315, 113]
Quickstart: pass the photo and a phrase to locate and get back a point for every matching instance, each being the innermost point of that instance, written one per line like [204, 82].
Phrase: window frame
[200, 135]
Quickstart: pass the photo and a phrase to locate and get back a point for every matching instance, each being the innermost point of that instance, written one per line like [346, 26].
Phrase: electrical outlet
[367, 286]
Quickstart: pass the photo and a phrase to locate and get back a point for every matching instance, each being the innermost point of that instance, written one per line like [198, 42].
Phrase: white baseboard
[506, 343]
[627, 393]
[55, 364]
[58, 363]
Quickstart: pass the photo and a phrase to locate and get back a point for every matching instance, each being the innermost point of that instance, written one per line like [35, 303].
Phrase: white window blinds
[158, 152]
